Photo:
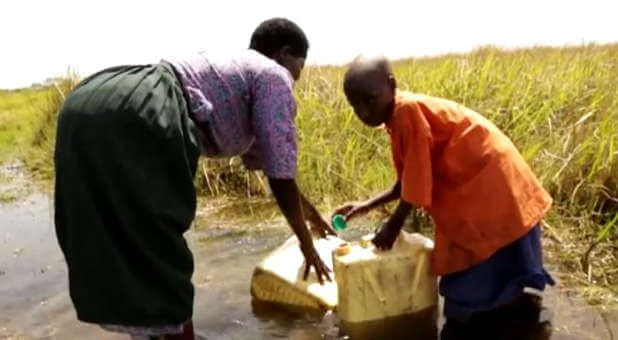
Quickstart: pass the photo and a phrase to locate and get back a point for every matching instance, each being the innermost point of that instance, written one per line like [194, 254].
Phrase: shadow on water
[34, 302]
[524, 319]
[421, 325]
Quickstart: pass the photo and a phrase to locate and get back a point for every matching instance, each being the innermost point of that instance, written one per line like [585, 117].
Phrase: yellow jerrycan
[382, 290]
[279, 277]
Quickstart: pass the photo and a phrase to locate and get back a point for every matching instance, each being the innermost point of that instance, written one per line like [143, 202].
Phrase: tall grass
[558, 105]
[20, 111]
[39, 157]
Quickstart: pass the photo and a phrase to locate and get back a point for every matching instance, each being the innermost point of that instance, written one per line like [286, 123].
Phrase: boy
[456, 165]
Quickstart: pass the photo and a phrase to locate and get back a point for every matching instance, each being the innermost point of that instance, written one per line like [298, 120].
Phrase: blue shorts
[497, 280]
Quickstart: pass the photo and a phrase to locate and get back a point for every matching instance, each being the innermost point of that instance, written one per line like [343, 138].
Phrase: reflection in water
[524, 319]
[296, 323]
[421, 325]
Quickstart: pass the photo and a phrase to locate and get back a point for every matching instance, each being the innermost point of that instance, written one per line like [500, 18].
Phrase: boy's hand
[385, 238]
[319, 226]
[312, 259]
[351, 210]
[387, 235]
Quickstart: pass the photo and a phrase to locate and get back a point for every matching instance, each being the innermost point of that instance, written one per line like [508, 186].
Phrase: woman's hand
[315, 220]
[320, 226]
[312, 259]
[352, 210]
[289, 200]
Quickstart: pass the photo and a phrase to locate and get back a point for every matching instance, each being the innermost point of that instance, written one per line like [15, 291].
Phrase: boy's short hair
[273, 34]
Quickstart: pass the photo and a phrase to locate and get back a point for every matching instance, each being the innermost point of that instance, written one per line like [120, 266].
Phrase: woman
[128, 142]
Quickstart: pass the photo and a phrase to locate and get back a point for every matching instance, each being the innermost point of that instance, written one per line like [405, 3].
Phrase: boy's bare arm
[386, 197]
[351, 210]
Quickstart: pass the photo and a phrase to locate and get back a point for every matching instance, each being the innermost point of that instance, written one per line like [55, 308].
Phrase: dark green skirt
[125, 160]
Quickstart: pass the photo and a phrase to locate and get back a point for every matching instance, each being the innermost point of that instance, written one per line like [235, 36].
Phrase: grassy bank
[28, 125]
[559, 106]
[20, 111]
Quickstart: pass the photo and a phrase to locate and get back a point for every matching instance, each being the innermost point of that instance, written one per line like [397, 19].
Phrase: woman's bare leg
[187, 334]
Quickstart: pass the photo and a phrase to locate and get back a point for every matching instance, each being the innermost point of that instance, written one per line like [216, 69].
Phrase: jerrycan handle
[417, 273]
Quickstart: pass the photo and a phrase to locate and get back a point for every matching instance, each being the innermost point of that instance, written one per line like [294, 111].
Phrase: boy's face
[372, 96]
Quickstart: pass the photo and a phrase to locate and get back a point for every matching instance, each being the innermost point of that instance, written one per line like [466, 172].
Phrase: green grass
[558, 105]
[28, 126]
[20, 111]
[39, 157]
[7, 197]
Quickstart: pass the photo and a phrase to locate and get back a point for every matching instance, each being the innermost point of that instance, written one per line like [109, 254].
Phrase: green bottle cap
[339, 222]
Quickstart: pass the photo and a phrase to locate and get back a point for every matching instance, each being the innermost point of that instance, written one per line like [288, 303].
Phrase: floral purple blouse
[243, 106]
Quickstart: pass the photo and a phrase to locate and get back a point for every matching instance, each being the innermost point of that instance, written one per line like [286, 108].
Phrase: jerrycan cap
[365, 241]
[339, 222]
[343, 249]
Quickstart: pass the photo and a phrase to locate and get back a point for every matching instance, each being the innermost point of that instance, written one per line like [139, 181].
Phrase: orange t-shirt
[467, 174]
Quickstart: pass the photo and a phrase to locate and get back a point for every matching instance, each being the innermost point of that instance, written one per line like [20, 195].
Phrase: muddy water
[34, 303]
